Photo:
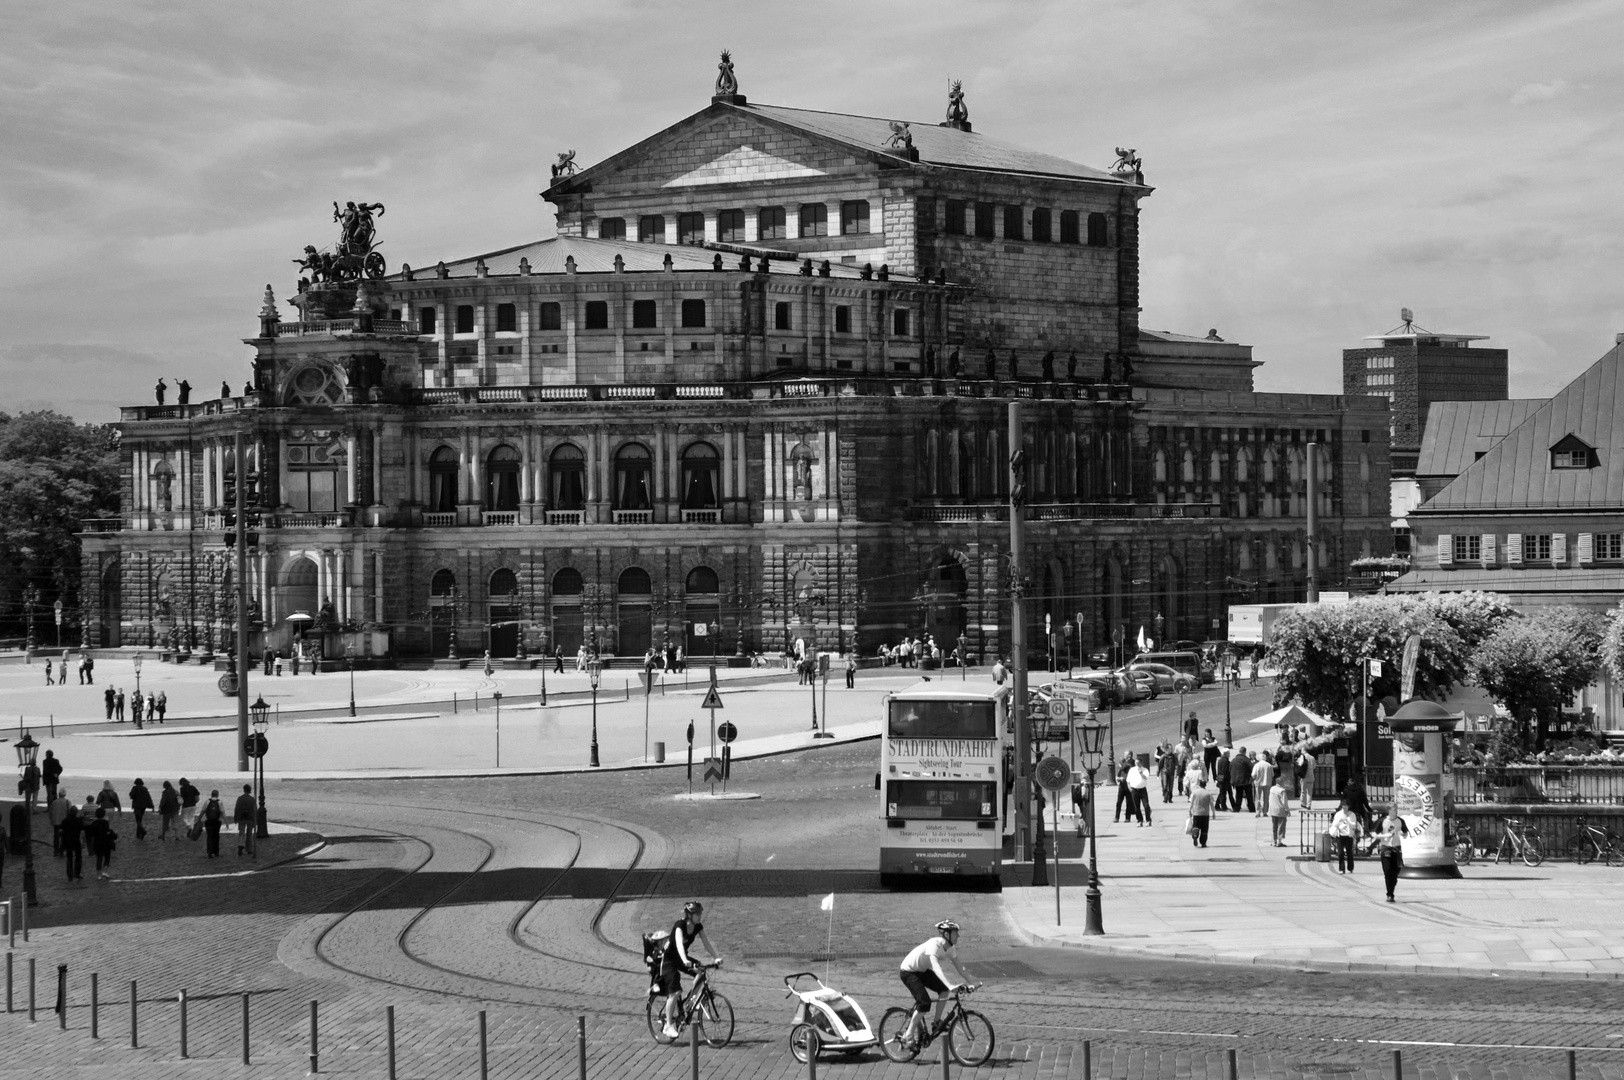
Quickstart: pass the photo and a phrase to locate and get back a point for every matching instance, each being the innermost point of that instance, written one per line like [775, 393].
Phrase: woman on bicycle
[923, 974]
[679, 959]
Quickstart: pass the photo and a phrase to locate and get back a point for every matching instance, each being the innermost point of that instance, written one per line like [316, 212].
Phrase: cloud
[73, 355]
[1540, 91]
[361, 172]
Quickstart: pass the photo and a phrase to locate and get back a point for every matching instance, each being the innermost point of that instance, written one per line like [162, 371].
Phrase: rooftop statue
[355, 228]
[726, 82]
[354, 257]
[957, 112]
[565, 165]
[901, 138]
[1128, 163]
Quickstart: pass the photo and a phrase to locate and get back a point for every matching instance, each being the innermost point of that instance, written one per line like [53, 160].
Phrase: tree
[53, 474]
[1535, 664]
[1318, 650]
[1473, 615]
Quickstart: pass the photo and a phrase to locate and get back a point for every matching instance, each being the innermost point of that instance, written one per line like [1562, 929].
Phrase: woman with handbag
[169, 811]
[1344, 831]
[1389, 843]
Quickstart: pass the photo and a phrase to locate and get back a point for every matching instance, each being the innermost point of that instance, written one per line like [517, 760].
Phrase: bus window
[958, 800]
[943, 720]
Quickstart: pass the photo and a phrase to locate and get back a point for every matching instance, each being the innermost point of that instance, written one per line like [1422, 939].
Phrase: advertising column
[1423, 788]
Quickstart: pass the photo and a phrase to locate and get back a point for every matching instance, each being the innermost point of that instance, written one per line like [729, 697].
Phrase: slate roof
[1585, 579]
[1516, 473]
[598, 257]
[1457, 431]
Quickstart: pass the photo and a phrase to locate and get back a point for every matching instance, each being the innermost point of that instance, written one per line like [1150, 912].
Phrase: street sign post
[1054, 776]
[256, 745]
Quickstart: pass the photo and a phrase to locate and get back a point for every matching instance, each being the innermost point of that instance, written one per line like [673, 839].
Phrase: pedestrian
[1183, 762]
[270, 658]
[1390, 845]
[1081, 798]
[1192, 729]
[999, 672]
[1262, 780]
[59, 808]
[1201, 799]
[214, 816]
[1305, 777]
[73, 851]
[162, 704]
[48, 681]
[558, 659]
[1209, 754]
[1344, 831]
[140, 803]
[51, 772]
[107, 798]
[490, 668]
[107, 697]
[90, 670]
[189, 796]
[1139, 791]
[245, 814]
[102, 842]
[1279, 810]
[135, 709]
[1124, 794]
[1221, 773]
[152, 706]
[298, 654]
[83, 660]
[851, 668]
[1254, 669]
[1358, 801]
[168, 811]
[1240, 781]
[1167, 767]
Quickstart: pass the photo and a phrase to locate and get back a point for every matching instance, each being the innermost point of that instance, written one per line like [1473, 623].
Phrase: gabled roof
[598, 257]
[1517, 473]
[1458, 431]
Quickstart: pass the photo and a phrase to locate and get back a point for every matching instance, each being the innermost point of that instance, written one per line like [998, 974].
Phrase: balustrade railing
[1532, 783]
[702, 517]
[633, 517]
[565, 517]
[439, 520]
[500, 517]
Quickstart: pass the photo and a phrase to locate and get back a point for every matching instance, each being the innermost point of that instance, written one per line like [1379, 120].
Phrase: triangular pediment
[743, 163]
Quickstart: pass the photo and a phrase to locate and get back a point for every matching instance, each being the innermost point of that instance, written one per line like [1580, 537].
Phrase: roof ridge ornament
[958, 113]
[564, 166]
[1128, 165]
[727, 84]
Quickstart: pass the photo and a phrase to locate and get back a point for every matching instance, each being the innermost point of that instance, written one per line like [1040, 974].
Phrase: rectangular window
[854, 217]
[1014, 222]
[552, 317]
[1610, 546]
[984, 220]
[729, 226]
[814, 219]
[690, 228]
[465, 318]
[770, 223]
[425, 320]
[507, 319]
[946, 800]
[943, 720]
[1470, 548]
[1040, 225]
[643, 315]
[842, 319]
[651, 229]
[1570, 459]
[1069, 231]
[781, 316]
[693, 314]
[899, 322]
[1536, 548]
[1097, 231]
[955, 217]
[612, 228]
[597, 315]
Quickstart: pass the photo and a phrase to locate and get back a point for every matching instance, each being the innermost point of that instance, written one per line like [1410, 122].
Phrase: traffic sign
[713, 700]
[713, 769]
[256, 745]
[726, 731]
[1060, 710]
[1053, 774]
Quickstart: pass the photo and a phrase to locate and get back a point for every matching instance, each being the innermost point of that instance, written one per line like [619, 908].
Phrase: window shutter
[1514, 549]
[1446, 549]
[1587, 549]
[1559, 548]
[1488, 549]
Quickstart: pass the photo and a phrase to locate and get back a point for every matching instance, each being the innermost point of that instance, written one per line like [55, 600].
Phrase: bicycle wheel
[1463, 852]
[800, 1042]
[893, 1026]
[715, 1019]
[1615, 853]
[970, 1038]
[1533, 850]
[656, 1019]
[1583, 848]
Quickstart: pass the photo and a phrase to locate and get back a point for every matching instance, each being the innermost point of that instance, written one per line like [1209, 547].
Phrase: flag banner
[828, 903]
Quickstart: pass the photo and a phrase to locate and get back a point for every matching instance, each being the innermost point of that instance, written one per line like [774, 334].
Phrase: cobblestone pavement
[524, 898]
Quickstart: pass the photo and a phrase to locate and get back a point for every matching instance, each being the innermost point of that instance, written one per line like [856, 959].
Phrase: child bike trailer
[839, 1021]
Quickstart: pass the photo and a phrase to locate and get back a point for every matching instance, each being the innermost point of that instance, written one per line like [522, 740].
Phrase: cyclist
[922, 973]
[679, 959]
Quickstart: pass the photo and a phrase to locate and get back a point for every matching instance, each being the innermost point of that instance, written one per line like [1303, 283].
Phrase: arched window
[702, 580]
[504, 584]
[632, 471]
[163, 486]
[1069, 232]
[967, 466]
[1158, 466]
[635, 631]
[1243, 465]
[443, 583]
[566, 479]
[702, 611]
[502, 479]
[1215, 467]
[1097, 233]
[443, 468]
[634, 581]
[1187, 471]
[567, 582]
[701, 471]
[1268, 466]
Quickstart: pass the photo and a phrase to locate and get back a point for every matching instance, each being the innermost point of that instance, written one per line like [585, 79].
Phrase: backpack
[654, 948]
[212, 811]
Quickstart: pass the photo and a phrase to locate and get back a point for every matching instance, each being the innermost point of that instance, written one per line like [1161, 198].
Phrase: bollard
[813, 1045]
[1088, 1059]
[23, 911]
[183, 1052]
[134, 1042]
[30, 989]
[484, 1055]
[389, 1022]
[1398, 1065]
[1233, 1074]
[245, 1029]
[62, 997]
[314, 1069]
[580, 1044]
[947, 1057]
[693, 1048]
[1573, 1065]
[8, 982]
[453, 704]
[11, 921]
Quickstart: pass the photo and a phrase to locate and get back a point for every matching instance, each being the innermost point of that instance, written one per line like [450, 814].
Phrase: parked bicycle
[1521, 839]
[1591, 842]
[969, 1036]
[701, 1005]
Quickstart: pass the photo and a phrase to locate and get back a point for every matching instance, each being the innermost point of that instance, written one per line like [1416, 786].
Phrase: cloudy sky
[1317, 165]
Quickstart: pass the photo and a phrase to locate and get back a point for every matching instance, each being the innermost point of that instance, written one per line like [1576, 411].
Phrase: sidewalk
[1241, 900]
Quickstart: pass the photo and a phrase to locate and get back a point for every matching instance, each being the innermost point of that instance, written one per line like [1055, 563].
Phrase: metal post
[1313, 522]
[1095, 922]
[594, 725]
[1088, 1059]
[240, 464]
[498, 696]
[693, 1049]
[1017, 642]
[245, 1029]
[135, 1027]
[1233, 1073]
[62, 997]
[1398, 1065]
[1054, 803]
[30, 989]
[11, 923]
[389, 1024]
[484, 1050]
[95, 1006]
[1573, 1065]
[183, 1047]
[947, 1059]
[1229, 735]
[314, 1068]
[9, 958]
[813, 1045]
[580, 1045]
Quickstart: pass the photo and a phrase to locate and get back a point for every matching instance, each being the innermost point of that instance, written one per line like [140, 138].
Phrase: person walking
[1221, 773]
[1124, 795]
[851, 669]
[1081, 796]
[558, 659]
[1183, 762]
[102, 842]
[58, 810]
[244, 815]
[168, 811]
[107, 798]
[107, 696]
[1139, 791]
[1254, 669]
[1201, 800]
[73, 850]
[135, 709]
[90, 670]
[1167, 767]
[1358, 801]
[189, 796]
[140, 803]
[1390, 846]
[162, 704]
[152, 706]
[1192, 729]
[1209, 754]
[1344, 831]
[48, 680]
[1279, 811]
[1240, 781]
[1262, 780]
[1305, 777]
[50, 772]
[118, 702]
[214, 817]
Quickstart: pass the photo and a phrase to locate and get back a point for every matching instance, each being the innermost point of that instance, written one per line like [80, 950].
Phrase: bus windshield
[961, 800]
[943, 720]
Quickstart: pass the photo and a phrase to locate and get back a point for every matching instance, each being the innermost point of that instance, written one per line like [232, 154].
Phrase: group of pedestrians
[151, 707]
[57, 674]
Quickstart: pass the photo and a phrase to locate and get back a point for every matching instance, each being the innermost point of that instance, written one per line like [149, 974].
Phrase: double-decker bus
[942, 780]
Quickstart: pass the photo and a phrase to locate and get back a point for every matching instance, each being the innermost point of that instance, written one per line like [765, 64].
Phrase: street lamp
[964, 658]
[136, 660]
[260, 710]
[1089, 735]
[30, 601]
[498, 696]
[58, 624]
[594, 671]
[1229, 735]
[27, 752]
[349, 658]
[1160, 623]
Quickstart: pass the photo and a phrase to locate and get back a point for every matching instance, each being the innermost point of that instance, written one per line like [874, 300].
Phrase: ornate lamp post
[27, 752]
[964, 658]
[1160, 623]
[30, 601]
[136, 660]
[451, 651]
[349, 658]
[259, 711]
[1226, 660]
[805, 600]
[594, 671]
[58, 606]
[1089, 736]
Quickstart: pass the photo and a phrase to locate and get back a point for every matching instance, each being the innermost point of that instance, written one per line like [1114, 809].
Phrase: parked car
[1167, 679]
[1185, 662]
[1105, 685]
[1145, 680]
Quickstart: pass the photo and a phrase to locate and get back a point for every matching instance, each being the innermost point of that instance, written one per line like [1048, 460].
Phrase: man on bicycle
[922, 974]
[679, 959]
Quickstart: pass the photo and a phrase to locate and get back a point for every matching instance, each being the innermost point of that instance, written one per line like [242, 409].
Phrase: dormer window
[1572, 452]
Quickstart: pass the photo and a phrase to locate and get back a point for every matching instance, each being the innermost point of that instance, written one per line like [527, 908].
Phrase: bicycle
[701, 1005]
[969, 1036]
[1520, 839]
[1589, 843]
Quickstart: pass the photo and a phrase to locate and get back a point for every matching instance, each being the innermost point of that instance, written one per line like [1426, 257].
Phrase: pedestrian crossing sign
[713, 700]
